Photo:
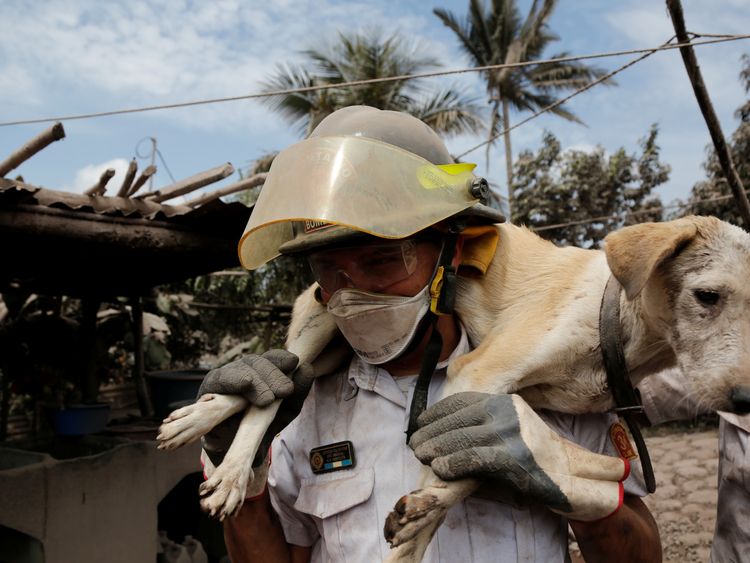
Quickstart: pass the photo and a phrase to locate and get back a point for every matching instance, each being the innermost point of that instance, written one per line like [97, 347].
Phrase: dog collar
[627, 402]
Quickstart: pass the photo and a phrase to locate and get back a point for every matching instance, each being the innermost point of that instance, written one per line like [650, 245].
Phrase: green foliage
[553, 187]
[497, 34]
[212, 313]
[363, 56]
[715, 186]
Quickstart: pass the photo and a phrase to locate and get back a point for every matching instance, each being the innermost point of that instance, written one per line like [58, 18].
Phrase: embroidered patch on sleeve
[621, 441]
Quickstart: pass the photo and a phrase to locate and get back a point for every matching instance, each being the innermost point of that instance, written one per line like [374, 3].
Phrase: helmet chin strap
[442, 301]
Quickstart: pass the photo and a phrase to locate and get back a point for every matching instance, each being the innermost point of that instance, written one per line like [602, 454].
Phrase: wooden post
[89, 378]
[100, 187]
[707, 109]
[242, 185]
[142, 179]
[141, 389]
[50, 135]
[5, 402]
[190, 184]
[128, 180]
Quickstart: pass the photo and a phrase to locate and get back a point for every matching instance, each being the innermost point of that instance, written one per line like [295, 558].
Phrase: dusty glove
[501, 440]
[261, 380]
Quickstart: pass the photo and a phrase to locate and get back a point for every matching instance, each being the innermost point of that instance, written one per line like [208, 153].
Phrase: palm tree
[362, 56]
[497, 35]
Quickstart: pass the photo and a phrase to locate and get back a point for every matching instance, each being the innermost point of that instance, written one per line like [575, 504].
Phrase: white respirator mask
[378, 327]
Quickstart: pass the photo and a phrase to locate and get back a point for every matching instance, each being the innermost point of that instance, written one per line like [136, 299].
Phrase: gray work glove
[261, 380]
[501, 440]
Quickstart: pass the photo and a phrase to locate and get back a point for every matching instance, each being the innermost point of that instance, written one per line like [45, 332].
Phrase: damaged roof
[57, 242]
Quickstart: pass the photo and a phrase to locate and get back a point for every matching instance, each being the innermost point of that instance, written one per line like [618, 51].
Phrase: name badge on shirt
[332, 457]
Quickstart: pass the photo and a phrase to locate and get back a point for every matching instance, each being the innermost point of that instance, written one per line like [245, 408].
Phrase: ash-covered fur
[535, 314]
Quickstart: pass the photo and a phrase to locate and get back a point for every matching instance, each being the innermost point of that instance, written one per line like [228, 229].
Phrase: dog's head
[692, 277]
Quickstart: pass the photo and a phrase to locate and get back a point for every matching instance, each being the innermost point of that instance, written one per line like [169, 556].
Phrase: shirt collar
[370, 377]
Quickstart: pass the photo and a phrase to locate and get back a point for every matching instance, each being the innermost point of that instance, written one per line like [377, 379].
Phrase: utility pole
[707, 109]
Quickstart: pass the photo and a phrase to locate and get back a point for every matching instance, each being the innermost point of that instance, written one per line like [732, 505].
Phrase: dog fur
[533, 318]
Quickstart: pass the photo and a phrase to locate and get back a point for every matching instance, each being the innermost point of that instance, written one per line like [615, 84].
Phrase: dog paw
[419, 512]
[187, 424]
[223, 493]
[404, 553]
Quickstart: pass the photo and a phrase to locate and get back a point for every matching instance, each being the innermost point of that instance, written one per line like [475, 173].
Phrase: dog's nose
[741, 399]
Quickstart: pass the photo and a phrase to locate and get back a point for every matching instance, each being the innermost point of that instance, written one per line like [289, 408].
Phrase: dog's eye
[706, 297]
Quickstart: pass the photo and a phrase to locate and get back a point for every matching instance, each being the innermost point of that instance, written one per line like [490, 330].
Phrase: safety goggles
[371, 267]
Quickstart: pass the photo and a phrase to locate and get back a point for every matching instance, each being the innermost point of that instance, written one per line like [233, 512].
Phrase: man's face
[391, 267]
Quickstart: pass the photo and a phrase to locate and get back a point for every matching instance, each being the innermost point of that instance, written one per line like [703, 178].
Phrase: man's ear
[633, 253]
[458, 254]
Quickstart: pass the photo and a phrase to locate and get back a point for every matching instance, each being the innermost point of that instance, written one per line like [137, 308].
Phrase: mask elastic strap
[442, 300]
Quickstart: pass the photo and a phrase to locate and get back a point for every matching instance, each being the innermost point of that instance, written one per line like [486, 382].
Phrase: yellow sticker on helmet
[457, 168]
[444, 175]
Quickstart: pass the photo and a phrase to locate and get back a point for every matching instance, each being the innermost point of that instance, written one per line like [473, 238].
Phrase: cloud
[95, 56]
[89, 175]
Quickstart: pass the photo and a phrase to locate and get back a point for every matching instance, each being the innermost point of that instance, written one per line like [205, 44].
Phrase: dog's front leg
[413, 522]
[187, 424]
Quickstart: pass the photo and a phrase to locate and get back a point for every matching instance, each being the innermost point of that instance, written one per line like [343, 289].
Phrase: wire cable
[632, 213]
[356, 83]
[164, 162]
[561, 101]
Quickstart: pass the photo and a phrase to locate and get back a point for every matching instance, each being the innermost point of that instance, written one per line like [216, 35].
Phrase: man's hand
[500, 439]
[261, 380]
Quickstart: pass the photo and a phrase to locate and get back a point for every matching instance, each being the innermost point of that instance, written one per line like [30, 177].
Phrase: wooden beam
[101, 186]
[241, 186]
[50, 135]
[707, 109]
[128, 180]
[191, 184]
[142, 179]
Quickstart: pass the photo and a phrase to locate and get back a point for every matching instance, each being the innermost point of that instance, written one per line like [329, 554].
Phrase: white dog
[534, 318]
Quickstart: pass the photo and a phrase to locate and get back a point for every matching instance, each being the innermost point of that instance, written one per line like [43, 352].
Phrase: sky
[63, 57]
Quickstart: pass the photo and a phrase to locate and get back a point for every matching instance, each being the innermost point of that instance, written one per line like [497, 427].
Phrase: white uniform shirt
[342, 513]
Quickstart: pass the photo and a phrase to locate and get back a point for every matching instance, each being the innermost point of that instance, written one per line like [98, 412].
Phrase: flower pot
[173, 386]
[77, 420]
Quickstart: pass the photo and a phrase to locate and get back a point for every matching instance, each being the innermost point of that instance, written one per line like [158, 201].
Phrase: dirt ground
[684, 504]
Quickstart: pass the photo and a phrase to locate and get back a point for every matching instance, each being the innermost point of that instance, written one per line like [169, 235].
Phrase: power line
[356, 83]
[633, 213]
[164, 162]
[561, 101]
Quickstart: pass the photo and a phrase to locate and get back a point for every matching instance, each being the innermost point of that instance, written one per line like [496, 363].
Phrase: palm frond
[451, 112]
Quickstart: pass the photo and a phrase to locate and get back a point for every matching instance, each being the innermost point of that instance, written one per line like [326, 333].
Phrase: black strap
[435, 344]
[429, 361]
[628, 404]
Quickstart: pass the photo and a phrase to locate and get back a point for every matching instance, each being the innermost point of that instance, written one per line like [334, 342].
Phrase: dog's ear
[633, 253]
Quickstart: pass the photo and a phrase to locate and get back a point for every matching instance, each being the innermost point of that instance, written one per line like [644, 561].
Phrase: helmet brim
[337, 235]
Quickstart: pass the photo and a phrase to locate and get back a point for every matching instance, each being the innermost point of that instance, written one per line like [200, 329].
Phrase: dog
[534, 319]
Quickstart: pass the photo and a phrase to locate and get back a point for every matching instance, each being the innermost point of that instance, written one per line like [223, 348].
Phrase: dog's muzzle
[740, 398]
